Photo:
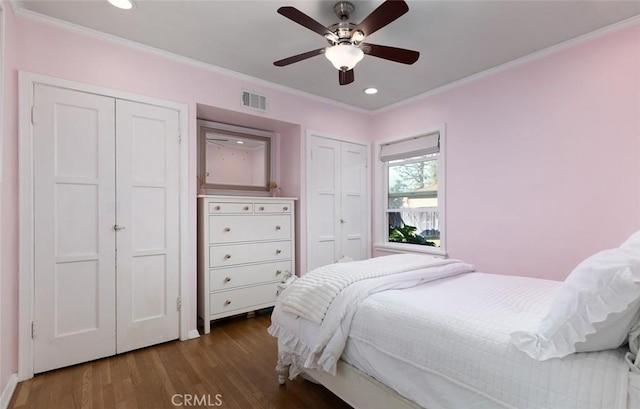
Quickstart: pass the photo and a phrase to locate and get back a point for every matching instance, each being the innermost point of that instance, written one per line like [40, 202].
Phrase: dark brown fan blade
[299, 17]
[387, 12]
[390, 53]
[346, 77]
[299, 57]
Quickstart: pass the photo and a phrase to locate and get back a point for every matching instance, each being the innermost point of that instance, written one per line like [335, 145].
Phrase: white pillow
[632, 243]
[594, 309]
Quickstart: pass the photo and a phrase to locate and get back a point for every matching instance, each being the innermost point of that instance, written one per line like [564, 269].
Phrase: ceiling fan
[346, 47]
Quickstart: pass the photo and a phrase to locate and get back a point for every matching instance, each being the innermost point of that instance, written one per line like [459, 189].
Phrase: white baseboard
[7, 393]
[193, 334]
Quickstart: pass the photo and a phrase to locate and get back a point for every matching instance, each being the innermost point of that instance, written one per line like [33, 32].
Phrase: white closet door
[338, 224]
[74, 267]
[147, 215]
[354, 201]
[323, 225]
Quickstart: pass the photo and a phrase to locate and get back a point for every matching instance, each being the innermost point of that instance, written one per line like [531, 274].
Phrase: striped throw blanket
[311, 295]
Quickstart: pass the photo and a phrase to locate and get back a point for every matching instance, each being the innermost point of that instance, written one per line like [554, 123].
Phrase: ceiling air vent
[254, 101]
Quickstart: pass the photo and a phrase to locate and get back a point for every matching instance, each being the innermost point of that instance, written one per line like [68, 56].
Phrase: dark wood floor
[232, 367]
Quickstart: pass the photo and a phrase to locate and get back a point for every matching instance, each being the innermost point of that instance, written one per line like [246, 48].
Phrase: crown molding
[19, 11]
[515, 63]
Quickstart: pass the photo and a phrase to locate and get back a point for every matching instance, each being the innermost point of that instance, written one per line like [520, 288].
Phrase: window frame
[382, 242]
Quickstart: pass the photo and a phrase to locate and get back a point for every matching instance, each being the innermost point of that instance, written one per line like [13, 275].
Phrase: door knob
[342, 221]
[117, 227]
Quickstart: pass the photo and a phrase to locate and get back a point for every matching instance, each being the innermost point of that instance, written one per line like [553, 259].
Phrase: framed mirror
[234, 158]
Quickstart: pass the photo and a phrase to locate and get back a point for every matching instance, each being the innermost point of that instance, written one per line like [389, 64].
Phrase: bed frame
[354, 387]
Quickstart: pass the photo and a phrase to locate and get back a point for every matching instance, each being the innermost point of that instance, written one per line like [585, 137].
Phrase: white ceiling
[456, 39]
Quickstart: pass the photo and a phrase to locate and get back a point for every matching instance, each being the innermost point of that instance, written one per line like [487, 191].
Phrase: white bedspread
[446, 344]
[310, 296]
[305, 344]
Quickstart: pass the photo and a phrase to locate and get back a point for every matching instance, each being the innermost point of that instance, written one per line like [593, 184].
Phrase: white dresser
[245, 246]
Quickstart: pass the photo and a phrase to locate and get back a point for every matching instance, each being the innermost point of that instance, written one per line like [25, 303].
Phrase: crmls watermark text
[188, 399]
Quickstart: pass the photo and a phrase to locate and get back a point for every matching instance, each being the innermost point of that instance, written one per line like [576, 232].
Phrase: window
[413, 172]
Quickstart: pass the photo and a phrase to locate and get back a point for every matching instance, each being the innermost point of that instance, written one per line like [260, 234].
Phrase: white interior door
[354, 201]
[106, 226]
[147, 215]
[74, 245]
[323, 222]
[338, 214]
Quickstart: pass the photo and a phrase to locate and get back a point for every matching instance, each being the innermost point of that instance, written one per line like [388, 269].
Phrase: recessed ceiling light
[122, 4]
[370, 90]
[240, 142]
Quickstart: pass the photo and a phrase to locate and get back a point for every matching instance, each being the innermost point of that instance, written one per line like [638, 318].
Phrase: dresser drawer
[220, 256]
[232, 229]
[242, 298]
[230, 208]
[273, 207]
[231, 277]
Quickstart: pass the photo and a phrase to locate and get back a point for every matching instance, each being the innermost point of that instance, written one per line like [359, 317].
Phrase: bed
[458, 338]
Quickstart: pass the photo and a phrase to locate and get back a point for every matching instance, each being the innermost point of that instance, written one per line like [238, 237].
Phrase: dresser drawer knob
[278, 251]
[227, 279]
[227, 229]
[227, 256]
[227, 302]
[261, 207]
[278, 227]
[278, 272]
[217, 208]
[285, 208]
[246, 208]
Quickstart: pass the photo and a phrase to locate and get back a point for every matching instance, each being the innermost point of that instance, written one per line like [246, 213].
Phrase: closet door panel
[147, 180]
[74, 243]
[354, 201]
[324, 195]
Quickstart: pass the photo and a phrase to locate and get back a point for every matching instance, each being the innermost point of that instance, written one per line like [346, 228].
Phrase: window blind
[417, 146]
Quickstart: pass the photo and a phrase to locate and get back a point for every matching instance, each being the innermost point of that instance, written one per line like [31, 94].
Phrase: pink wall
[543, 159]
[291, 171]
[44, 49]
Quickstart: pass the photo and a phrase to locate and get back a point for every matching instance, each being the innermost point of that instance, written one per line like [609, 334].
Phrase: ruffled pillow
[633, 356]
[594, 309]
[632, 243]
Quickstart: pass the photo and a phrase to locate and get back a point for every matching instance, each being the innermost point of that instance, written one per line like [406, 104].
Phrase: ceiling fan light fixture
[344, 56]
[357, 36]
[122, 4]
